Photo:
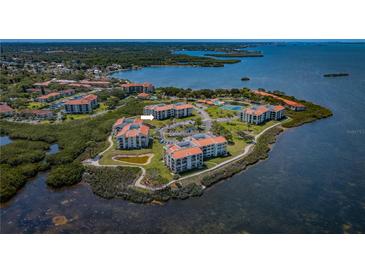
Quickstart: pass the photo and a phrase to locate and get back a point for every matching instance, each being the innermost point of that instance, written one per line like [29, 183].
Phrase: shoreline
[195, 184]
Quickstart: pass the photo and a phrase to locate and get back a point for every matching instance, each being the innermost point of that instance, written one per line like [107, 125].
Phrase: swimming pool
[231, 107]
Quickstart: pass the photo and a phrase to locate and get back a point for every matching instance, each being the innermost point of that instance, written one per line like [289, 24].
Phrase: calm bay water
[313, 181]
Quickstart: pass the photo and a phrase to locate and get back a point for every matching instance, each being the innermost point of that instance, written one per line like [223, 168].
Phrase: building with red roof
[67, 92]
[98, 83]
[85, 104]
[121, 122]
[212, 146]
[258, 114]
[6, 110]
[190, 154]
[131, 133]
[183, 156]
[43, 84]
[143, 95]
[37, 113]
[163, 111]
[49, 97]
[138, 87]
[288, 103]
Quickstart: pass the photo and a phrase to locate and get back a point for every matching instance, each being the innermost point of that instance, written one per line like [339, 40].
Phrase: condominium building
[143, 96]
[212, 146]
[38, 114]
[6, 110]
[49, 97]
[84, 105]
[183, 156]
[138, 87]
[97, 83]
[163, 111]
[121, 122]
[288, 103]
[190, 154]
[131, 134]
[258, 114]
[68, 92]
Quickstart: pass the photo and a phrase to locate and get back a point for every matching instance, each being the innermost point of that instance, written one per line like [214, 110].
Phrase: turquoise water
[231, 107]
[313, 181]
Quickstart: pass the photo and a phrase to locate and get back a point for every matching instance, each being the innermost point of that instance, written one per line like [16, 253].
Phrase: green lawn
[216, 112]
[157, 173]
[36, 105]
[154, 168]
[239, 144]
[102, 107]
[77, 116]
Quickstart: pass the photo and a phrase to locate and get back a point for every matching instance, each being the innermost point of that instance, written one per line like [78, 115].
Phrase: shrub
[65, 175]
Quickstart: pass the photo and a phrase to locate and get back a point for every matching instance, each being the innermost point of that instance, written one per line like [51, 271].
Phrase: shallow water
[313, 181]
[4, 140]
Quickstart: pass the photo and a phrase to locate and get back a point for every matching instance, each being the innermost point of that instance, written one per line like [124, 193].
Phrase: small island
[245, 79]
[237, 53]
[340, 74]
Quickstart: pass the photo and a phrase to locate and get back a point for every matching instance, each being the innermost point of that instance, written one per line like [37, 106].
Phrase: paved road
[248, 149]
[206, 120]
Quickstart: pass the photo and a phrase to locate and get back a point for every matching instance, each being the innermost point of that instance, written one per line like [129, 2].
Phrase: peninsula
[131, 140]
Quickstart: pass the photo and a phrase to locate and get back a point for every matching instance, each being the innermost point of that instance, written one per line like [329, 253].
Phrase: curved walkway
[248, 149]
[138, 183]
[95, 162]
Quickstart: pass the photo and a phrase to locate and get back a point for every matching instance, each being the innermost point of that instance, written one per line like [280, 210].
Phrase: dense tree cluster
[220, 130]
[77, 140]
[65, 175]
[84, 55]
[207, 93]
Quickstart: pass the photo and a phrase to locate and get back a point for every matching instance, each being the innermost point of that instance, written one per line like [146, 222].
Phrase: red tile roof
[128, 132]
[143, 95]
[209, 141]
[77, 85]
[94, 83]
[49, 95]
[278, 108]
[172, 148]
[286, 101]
[43, 84]
[4, 108]
[136, 85]
[118, 122]
[83, 101]
[184, 106]
[292, 103]
[131, 133]
[185, 152]
[256, 111]
[162, 108]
